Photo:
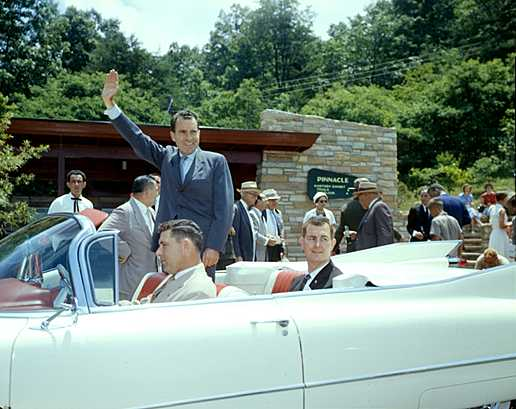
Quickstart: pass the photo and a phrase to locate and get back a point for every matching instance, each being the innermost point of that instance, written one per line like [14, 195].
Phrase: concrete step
[470, 255]
[473, 248]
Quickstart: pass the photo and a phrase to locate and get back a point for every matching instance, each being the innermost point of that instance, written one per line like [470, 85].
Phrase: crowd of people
[183, 219]
[440, 216]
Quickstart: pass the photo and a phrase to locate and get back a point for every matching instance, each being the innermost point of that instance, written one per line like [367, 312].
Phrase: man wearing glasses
[196, 184]
[320, 203]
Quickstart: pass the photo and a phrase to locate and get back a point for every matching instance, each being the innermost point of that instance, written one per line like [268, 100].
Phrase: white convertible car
[400, 329]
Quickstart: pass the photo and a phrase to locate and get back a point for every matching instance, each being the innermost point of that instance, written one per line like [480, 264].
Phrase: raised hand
[110, 88]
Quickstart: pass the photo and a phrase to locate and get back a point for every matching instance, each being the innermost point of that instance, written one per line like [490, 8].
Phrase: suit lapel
[139, 217]
[322, 278]
[197, 169]
[176, 172]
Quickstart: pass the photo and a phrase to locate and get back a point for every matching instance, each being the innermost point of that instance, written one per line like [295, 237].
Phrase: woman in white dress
[499, 240]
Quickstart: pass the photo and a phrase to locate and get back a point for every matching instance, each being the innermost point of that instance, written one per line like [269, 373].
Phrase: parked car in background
[399, 330]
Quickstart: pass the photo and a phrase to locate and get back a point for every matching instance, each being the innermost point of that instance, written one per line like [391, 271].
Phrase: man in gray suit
[376, 228]
[135, 221]
[196, 184]
[317, 243]
[180, 245]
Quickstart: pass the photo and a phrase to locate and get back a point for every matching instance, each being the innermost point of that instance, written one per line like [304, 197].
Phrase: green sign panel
[335, 185]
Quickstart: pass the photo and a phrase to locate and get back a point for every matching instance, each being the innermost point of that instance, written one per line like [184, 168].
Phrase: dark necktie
[264, 215]
[76, 204]
[305, 280]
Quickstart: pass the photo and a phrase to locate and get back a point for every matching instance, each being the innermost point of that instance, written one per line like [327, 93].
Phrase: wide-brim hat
[271, 194]
[366, 187]
[318, 195]
[249, 186]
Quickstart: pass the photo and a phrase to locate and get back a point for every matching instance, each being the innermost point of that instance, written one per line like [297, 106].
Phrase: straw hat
[366, 187]
[271, 194]
[249, 186]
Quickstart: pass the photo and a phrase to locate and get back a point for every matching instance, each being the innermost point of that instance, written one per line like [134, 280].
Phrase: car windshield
[37, 247]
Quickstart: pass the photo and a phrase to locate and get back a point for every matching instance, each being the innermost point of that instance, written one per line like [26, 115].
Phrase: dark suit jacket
[206, 196]
[376, 227]
[351, 216]
[243, 242]
[418, 220]
[322, 280]
[456, 208]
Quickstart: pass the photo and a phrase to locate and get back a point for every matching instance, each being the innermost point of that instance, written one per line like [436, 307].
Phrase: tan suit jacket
[135, 241]
[194, 285]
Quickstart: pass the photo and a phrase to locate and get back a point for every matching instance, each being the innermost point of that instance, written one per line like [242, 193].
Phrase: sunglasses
[322, 201]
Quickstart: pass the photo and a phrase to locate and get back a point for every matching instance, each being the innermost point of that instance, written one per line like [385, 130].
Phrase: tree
[77, 96]
[79, 36]
[12, 158]
[229, 109]
[30, 49]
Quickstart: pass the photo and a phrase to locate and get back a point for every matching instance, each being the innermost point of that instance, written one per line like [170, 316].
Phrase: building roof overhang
[211, 138]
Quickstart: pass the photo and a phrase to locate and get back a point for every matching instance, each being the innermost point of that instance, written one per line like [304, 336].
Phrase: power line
[314, 82]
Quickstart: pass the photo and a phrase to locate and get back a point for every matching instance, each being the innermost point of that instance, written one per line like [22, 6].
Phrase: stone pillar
[346, 147]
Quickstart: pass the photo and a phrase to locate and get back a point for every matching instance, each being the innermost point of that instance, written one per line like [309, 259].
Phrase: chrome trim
[411, 371]
[221, 397]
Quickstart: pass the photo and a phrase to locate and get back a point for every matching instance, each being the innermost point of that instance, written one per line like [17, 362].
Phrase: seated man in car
[317, 242]
[180, 247]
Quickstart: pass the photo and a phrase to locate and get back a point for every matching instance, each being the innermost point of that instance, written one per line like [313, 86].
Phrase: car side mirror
[72, 307]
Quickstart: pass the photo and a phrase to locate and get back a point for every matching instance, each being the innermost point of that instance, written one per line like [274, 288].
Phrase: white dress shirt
[312, 276]
[65, 204]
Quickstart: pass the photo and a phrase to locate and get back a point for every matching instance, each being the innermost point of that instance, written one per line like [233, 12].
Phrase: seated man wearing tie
[180, 246]
[135, 221]
[72, 202]
[317, 243]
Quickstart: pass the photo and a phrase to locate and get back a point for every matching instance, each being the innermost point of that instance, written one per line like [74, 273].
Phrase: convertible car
[400, 329]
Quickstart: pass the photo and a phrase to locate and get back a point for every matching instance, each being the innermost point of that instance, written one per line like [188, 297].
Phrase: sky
[157, 23]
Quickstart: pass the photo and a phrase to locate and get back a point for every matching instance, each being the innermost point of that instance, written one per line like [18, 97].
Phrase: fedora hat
[271, 194]
[249, 186]
[366, 187]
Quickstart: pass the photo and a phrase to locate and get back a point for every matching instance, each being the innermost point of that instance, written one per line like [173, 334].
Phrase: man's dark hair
[318, 221]
[76, 172]
[181, 229]
[501, 196]
[488, 185]
[184, 114]
[142, 183]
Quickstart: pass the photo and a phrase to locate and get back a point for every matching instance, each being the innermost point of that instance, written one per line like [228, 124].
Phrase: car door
[215, 353]
[426, 346]
[11, 324]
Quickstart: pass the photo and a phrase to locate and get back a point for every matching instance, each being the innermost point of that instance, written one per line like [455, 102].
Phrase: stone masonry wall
[346, 147]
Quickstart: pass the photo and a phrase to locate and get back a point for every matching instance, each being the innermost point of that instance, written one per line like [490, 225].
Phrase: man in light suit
[135, 221]
[244, 241]
[179, 250]
[317, 243]
[195, 184]
[274, 223]
[376, 228]
[263, 241]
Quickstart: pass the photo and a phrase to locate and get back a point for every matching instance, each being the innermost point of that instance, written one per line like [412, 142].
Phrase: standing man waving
[196, 184]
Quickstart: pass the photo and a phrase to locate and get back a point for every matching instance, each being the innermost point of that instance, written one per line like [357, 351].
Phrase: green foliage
[12, 158]
[446, 171]
[228, 109]
[77, 96]
[30, 46]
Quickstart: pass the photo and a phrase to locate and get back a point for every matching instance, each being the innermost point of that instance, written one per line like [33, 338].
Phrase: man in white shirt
[180, 246]
[72, 202]
[135, 221]
[317, 243]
